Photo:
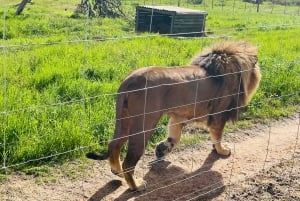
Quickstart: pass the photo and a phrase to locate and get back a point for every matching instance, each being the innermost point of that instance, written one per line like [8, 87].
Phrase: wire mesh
[174, 180]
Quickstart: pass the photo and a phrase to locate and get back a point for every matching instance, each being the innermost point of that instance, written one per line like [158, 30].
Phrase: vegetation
[60, 71]
[103, 8]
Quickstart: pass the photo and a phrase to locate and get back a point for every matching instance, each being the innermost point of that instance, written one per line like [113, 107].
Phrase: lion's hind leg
[115, 146]
[216, 131]
[141, 131]
[136, 147]
[114, 157]
[134, 153]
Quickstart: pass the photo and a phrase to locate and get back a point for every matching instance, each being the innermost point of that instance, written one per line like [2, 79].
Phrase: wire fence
[247, 6]
[11, 136]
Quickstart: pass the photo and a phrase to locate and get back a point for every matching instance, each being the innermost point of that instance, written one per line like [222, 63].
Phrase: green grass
[58, 90]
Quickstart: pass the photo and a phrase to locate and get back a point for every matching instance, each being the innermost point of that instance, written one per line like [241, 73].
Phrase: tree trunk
[21, 6]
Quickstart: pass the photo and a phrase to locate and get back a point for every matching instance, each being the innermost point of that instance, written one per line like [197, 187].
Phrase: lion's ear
[212, 63]
[205, 61]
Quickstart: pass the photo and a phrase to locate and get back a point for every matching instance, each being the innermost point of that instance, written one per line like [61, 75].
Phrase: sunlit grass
[59, 89]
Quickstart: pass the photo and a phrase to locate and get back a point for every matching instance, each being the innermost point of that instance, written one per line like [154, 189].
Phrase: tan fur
[211, 90]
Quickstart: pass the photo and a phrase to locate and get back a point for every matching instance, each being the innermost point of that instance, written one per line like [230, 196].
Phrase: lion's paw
[222, 149]
[141, 184]
[163, 148]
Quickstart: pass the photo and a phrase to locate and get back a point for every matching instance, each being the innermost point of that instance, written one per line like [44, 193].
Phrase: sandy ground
[264, 165]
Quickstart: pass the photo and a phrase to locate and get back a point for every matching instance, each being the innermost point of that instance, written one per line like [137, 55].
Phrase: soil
[264, 165]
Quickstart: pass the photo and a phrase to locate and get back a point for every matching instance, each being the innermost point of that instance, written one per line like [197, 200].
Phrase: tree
[22, 6]
[85, 7]
[105, 8]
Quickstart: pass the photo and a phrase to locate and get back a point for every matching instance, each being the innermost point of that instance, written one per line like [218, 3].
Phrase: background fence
[57, 102]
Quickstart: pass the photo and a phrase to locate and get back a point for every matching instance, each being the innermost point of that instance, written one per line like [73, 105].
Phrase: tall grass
[58, 90]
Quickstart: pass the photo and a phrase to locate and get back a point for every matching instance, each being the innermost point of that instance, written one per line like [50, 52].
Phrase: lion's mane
[233, 66]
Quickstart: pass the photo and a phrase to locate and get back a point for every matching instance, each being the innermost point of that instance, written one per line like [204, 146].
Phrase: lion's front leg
[222, 148]
[175, 125]
[216, 132]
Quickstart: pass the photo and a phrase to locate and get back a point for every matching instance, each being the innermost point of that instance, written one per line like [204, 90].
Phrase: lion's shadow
[170, 182]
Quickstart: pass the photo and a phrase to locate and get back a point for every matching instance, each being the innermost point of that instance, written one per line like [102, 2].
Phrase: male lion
[211, 90]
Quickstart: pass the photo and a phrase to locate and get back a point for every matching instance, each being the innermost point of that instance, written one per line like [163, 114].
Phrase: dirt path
[195, 173]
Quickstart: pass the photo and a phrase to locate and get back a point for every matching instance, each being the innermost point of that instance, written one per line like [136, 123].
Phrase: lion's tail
[121, 113]
[94, 156]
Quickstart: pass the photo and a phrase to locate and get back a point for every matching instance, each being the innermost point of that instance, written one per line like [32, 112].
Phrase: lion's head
[234, 66]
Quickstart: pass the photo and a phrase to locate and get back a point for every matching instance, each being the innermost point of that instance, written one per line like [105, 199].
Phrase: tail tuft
[95, 156]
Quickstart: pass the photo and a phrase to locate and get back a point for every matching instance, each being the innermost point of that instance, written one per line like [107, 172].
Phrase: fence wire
[174, 180]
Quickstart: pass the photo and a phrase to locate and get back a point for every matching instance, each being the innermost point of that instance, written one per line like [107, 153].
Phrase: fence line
[5, 112]
[4, 67]
[293, 157]
[125, 92]
[185, 179]
[265, 7]
[118, 119]
[8, 46]
[134, 134]
[294, 153]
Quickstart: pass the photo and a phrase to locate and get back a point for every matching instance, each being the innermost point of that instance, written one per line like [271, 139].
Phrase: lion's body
[168, 91]
[211, 90]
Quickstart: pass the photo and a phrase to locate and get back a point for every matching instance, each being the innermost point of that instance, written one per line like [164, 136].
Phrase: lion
[212, 90]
